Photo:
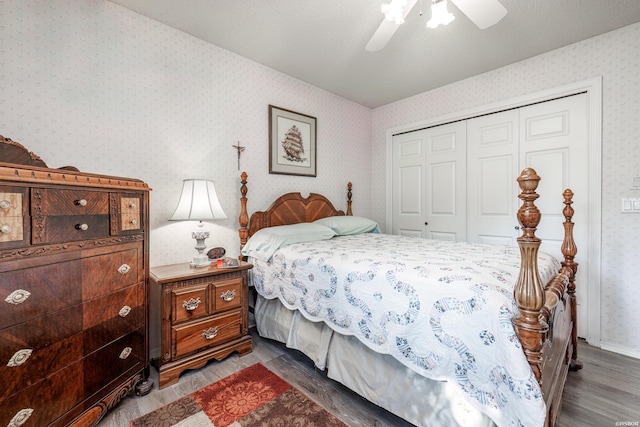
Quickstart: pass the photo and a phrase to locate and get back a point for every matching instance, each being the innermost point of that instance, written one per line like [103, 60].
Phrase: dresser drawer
[205, 333]
[130, 212]
[110, 362]
[60, 229]
[227, 294]
[189, 303]
[27, 293]
[46, 400]
[32, 350]
[109, 318]
[108, 272]
[49, 202]
[14, 218]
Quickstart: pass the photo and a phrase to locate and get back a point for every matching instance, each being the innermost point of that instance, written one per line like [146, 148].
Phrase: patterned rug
[254, 396]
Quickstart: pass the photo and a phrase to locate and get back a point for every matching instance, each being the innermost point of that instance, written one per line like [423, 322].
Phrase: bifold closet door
[429, 183]
[492, 168]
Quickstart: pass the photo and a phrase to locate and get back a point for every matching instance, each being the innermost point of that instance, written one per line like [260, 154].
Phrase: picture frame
[292, 143]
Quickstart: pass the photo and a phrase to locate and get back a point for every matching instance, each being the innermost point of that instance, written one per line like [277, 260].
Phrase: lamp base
[200, 259]
[198, 262]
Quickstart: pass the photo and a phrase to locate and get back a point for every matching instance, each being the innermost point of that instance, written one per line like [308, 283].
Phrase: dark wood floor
[605, 392]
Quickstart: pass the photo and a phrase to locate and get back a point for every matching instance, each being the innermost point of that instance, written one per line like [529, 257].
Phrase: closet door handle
[426, 223]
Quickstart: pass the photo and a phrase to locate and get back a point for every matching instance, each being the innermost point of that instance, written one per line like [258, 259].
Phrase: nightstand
[203, 315]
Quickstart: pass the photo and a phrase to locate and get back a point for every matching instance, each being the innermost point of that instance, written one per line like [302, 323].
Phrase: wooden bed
[546, 325]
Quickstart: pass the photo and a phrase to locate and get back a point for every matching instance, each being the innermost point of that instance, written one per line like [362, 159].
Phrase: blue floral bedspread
[441, 308]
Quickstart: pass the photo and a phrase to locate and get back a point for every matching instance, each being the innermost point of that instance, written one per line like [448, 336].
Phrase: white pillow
[347, 225]
[263, 244]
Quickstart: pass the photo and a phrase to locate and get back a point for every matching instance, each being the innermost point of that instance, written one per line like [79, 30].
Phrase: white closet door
[492, 169]
[408, 184]
[429, 171]
[554, 141]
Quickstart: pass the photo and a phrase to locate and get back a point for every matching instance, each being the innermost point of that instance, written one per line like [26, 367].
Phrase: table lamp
[198, 202]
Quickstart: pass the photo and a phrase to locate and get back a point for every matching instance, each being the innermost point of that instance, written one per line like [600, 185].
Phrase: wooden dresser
[73, 291]
[204, 315]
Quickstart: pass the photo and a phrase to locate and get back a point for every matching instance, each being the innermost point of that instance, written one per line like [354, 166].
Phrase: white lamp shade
[198, 202]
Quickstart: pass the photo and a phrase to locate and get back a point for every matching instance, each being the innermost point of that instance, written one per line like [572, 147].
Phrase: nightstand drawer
[206, 333]
[188, 303]
[227, 294]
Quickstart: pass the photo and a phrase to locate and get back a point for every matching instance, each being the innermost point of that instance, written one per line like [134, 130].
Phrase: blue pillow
[265, 242]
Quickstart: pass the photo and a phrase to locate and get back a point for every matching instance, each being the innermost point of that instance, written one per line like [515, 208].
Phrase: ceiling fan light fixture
[439, 14]
[393, 11]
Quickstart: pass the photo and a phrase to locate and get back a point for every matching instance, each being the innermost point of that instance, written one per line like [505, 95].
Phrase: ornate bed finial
[529, 291]
[244, 215]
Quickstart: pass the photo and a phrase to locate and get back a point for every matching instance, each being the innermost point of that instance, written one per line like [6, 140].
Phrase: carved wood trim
[34, 251]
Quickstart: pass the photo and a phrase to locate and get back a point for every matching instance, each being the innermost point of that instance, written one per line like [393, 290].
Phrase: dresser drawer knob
[192, 304]
[134, 221]
[132, 205]
[124, 311]
[6, 229]
[17, 297]
[5, 204]
[83, 227]
[20, 417]
[210, 333]
[124, 269]
[228, 295]
[125, 353]
[81, 202]
[19, 357]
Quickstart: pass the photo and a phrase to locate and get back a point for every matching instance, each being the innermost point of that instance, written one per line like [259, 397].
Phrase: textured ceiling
[322, 41]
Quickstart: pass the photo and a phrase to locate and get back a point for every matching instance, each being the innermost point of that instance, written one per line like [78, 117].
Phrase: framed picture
[292, 142]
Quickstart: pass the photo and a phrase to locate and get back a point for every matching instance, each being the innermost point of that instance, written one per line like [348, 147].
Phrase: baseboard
[616, 348]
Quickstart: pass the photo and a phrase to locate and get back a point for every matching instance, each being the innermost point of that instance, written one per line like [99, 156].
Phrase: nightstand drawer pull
[124, 311]
[5, 204]
[83, 227]
[228, 295]
[6, 229]
[125, 353]
[192, 304]
[17, 297]
[210, 333]
[20, 417]
[124, 269]
[19, 357]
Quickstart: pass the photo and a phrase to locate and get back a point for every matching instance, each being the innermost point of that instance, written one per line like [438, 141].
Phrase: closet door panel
[446, 182]
[408, 190]
[492, 164]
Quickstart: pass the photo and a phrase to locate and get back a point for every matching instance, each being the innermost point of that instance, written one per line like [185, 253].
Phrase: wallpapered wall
[616, 57]
[91, 84]
[94, 85]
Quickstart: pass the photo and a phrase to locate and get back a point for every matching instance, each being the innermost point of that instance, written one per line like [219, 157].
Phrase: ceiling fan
[484, 13]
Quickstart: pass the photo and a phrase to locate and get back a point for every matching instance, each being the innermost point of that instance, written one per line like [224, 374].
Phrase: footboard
[546, 324]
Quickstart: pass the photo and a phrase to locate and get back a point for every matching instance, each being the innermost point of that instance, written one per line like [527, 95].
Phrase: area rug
[254, 396]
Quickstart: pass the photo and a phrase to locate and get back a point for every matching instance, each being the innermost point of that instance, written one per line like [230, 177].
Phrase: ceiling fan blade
[483, 13]
[382, 36]
[386, 30]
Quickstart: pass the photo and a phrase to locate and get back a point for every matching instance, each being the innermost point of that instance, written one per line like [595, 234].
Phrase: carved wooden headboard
[290, 208]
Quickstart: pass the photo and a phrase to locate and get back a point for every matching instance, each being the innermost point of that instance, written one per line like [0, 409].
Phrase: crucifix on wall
[239, 149]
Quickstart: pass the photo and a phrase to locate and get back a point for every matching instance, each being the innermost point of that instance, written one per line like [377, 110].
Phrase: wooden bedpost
[349, 186]
[529, 290]
[569, 250]
[244, 215]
